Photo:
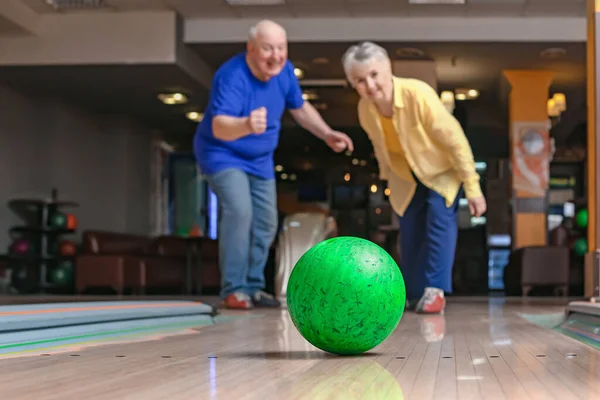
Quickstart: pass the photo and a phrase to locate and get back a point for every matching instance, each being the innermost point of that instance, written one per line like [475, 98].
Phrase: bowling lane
[478, 348]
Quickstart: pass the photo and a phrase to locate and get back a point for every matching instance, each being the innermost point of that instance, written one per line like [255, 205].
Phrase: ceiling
[344, 8]
[126, 90]
[132, 89]
[9, 28]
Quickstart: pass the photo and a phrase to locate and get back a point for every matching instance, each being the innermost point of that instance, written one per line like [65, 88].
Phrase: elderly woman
[424, 155]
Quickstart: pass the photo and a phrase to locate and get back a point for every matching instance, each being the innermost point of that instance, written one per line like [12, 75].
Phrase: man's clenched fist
[257, 121]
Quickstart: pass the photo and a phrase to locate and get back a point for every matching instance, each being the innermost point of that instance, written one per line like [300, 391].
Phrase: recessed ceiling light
[76, 4]
[310, 95]
[466, 94]
[410, 52]
[299, 72]
[173, 98]
[320, 60]
[553, 52]
[195, 116]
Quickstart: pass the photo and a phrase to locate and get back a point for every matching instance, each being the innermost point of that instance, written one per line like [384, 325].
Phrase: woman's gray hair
[362, 52]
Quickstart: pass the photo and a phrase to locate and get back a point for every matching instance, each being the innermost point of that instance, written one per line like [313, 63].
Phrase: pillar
[529, 154]
[591, 270]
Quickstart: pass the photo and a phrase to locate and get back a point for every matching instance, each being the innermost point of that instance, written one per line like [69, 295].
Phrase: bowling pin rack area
[39, 259]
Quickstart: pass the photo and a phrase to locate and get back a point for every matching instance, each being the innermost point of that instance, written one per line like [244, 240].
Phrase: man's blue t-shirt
[236, 92]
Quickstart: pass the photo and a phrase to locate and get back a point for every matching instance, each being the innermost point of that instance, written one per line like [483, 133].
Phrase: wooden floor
[478, 350]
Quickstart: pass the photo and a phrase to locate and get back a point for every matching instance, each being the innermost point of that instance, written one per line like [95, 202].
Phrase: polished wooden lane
[478, 350]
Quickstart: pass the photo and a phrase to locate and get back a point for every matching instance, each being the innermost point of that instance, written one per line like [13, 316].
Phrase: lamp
[560, 101]
[195, 116]
[552, 108]
[447, 99]
[173, 98]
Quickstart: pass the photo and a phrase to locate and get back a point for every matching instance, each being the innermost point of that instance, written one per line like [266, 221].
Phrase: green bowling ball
[581, 218]
[580, 246]
[346, 295]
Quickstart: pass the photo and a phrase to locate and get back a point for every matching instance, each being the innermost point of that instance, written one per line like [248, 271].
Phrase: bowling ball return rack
[33, 258]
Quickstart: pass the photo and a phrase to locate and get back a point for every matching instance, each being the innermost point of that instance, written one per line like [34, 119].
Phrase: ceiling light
[173, 98]
[293, 177]
[447, 98]
[387, 192]
[284, 176]
[195, 116]
[320, 60]
[553, 53]
[552, 108]
[561, 101]
[410, 52]
[310, 95]
[347, 177]
[355, 161]
[464, 94]
[373, 188]
[278, 168]
[76, 4]
[299, 73]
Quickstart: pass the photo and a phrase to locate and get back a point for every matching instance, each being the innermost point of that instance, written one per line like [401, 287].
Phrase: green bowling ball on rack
[581, 218]
[580, 246]
[62, 273]
[58, 220]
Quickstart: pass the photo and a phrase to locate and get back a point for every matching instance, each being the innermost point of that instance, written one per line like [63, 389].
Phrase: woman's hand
[477, 206]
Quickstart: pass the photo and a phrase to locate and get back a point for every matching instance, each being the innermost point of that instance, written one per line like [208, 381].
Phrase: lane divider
[114, 333]
[98, 308]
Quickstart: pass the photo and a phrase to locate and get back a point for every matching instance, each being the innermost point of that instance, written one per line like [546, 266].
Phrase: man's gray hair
[252, 32]
[362, 52]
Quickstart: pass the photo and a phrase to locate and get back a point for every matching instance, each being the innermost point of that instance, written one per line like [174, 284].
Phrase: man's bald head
[266, 49]
[266, 28]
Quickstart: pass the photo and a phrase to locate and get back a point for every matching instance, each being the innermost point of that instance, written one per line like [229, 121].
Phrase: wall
[101, 162]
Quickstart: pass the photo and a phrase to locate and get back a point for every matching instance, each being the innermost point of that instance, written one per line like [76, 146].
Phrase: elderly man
[424, 155]
[234, 146]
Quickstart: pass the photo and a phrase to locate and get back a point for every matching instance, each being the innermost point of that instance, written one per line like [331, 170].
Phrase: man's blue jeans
[247, 228]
